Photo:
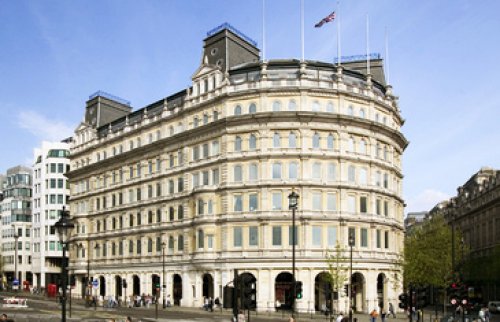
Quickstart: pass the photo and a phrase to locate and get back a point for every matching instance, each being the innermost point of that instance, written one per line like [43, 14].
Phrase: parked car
[494, 306]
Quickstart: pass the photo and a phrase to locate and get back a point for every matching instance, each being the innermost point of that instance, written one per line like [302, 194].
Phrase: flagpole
[339, 59]
[302, 28]
[263, 30]
[387, 55]
[367, 45]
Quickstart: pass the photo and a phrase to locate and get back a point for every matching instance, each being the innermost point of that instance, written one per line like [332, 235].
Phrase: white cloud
[42, 127]
[425, 200]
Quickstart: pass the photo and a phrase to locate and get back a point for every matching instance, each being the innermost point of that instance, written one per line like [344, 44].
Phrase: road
[41, 309]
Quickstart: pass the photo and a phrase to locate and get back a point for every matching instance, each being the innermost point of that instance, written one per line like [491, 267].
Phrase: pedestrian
[128, 319]
[291, 319]
[340, 317]
[205, 303]
[211, 304]
[373, 315]
[481, 315]
[487, 314]
[391, 310]
[383, 315]
[168, 301]
[3, 317]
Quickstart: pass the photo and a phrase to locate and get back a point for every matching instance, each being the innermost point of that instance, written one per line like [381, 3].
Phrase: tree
[337, 268]
[427, 257]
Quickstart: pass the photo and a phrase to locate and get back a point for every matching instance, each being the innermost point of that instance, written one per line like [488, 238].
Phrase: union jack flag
[326, 19]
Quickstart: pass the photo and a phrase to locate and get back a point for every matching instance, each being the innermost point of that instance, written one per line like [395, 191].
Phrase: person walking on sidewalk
[391, 310]
[373, 315]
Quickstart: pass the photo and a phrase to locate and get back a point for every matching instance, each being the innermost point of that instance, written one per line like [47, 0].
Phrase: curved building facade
[187, 190]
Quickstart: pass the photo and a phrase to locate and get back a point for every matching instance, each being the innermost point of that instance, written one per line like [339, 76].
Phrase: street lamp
[293, 200]
[351, 244]
[163, 284]
[64, 227]
[86, 282]
[16, 238]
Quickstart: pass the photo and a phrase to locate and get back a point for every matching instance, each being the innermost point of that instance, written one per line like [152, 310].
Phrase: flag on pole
[326, 19]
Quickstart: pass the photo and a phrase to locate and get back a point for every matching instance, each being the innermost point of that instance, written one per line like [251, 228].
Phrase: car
[494, 306]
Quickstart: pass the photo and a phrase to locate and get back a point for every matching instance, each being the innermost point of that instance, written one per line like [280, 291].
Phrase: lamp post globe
[64, 227]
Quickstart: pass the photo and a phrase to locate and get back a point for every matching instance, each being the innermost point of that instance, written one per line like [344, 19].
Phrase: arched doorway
[358, 292]
[155, 284]
[208, 286]
[136, 287]
[177, 289]
[381, 291]
[283, 291]
[102, 286]
[118, 286]
[323, 298]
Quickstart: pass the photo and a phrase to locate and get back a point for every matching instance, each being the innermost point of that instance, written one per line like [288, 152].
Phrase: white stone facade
[204, 175]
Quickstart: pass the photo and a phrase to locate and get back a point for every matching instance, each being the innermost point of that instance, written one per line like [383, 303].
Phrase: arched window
[315, 106]
[316, 170]
[293, 170]
[252, 142]
[350, 144]
[330, 141]
[171, 130]
[276, 170]
[276, 140]
[315, 141]
[362, 113]
[292, 140]
[150, 137]
[253, 173]
[362, 146]
[276, 106]
[216, 115]
[351, 174]
[201, 239]
[237, 110]
[180, 243]
[158, 135]
[252, 109]
[205, 118]
[180, 212]
[350, 110]
[196, 121]
[292, 106]
[329, 107]
[238, 176]
[237, 144]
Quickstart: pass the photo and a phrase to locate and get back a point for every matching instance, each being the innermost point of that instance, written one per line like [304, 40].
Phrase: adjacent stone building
[197, 183]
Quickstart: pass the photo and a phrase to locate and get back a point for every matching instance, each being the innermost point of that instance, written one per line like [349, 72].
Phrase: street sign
[15, 282]
[95, 283]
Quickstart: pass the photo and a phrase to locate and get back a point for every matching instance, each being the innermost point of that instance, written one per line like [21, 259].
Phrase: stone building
[194, 186]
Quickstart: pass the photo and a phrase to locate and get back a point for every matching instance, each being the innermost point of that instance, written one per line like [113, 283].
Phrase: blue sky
[54, 54]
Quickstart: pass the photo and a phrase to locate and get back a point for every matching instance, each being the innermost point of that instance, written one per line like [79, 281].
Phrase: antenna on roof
[263, 30]
[367, 45]
[302, 28]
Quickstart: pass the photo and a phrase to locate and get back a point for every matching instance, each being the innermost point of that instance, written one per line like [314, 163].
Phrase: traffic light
[298, 290]
[403, 301]
[421, 297]
[249, 293]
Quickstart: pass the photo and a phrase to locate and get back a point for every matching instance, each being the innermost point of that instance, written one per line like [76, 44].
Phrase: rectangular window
[291, 235]
[52, 183]
[205, 150]
[215, 176]
[364, 237]
[253, 236]
[331, 171]
[276, 236]
[196, 153]
[253, 203]
[205, 178]
[237, 237]
[277, 203]
[332, 236]
[238, 203]
[60, 168]
[351, 203]
[316, 235]
[210, 241]
[292, 171]
[377, 206]
[386, 208]
[196, 180]
[215, 148]
[379, 237]
[386, 239]
[316, 201]
[363, 205]
[331, 202]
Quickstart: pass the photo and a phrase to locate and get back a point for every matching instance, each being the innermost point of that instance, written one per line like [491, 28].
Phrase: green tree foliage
[338, 266]
[427, 254]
